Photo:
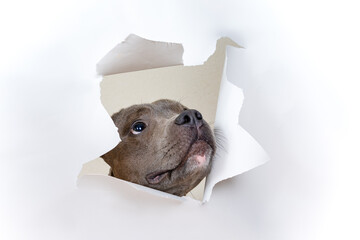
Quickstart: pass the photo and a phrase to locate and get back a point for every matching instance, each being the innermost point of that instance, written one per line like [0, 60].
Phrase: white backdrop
[300, 77]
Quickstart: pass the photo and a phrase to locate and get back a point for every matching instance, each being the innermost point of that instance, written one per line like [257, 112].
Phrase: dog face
[163, 145]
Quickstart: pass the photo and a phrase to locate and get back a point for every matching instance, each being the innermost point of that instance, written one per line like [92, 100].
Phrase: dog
[164, 145]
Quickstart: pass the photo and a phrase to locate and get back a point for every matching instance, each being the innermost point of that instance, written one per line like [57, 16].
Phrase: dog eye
[138, 127]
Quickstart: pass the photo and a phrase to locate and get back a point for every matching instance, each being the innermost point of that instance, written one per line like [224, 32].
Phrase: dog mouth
[199, 152]
[157, 177]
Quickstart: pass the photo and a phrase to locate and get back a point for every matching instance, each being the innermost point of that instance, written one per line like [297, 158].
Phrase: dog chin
[199, 155]
[196, 164]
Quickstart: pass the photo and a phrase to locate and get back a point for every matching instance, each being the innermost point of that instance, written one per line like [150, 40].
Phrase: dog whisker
[220, 139]
[169, 150]
[166, 145]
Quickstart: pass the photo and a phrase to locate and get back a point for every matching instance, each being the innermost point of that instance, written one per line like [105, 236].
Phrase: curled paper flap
[237, 151]
[136, 53]
[197, 87]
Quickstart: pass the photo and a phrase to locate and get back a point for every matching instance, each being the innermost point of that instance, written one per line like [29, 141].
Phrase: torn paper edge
[237, 150]
[231, 135]
[136, 53]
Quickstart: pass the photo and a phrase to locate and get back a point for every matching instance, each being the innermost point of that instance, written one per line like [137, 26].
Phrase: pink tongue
[200, 158]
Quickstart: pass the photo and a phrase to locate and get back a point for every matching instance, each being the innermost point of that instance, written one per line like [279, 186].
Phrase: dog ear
[116, 117]
[110, 156]
[119, 120]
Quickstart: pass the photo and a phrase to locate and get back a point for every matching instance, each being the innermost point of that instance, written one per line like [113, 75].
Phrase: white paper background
[299, 76]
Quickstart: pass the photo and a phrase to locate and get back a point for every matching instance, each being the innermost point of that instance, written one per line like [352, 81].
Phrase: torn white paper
[237, 151]
[202, 87]
[136, 53]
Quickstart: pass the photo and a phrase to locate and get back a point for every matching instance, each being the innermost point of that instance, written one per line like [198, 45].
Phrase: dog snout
[190, 117]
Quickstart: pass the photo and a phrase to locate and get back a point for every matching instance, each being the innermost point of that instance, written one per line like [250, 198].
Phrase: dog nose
[189, 117]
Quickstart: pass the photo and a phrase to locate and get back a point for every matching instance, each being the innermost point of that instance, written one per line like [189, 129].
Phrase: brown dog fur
[171, 152]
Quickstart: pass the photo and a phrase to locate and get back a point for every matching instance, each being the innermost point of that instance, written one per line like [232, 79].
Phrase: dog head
[164, 145]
